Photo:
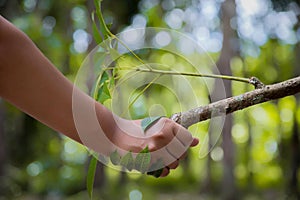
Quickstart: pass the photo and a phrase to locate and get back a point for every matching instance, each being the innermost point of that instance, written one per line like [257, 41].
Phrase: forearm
[31, 82]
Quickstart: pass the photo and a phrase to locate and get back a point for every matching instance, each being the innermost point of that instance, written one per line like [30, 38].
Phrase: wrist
[124, 135]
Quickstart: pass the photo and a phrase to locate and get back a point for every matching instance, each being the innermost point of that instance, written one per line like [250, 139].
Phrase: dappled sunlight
[261, 38]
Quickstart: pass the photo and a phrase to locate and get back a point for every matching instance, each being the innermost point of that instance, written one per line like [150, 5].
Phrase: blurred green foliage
[40, 163]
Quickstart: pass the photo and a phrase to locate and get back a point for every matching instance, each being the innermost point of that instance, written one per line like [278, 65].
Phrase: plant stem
[141, 92]
[163, 72]
[136, 56]
[112, 36]
[253, 80]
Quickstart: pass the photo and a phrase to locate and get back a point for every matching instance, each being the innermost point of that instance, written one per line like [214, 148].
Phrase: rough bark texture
[232, 104]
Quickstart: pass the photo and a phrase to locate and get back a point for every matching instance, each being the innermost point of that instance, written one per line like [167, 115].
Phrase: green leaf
[91, 176]
[142, 160]
[97, 36]
[148, 122]
[115, 158]
[127, 161]
[157, 167]
[112, 82]
[115, 72]
[109, 25]
[103, 92]
[103, 159]
[104, 77]
[103, 27]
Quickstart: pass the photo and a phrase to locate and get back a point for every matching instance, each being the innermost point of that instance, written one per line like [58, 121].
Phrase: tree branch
[261, 94]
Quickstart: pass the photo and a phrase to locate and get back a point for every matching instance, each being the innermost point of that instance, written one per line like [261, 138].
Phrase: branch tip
[256, 82]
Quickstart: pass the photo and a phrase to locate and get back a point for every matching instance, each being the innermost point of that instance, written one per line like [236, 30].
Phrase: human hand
[166, 141]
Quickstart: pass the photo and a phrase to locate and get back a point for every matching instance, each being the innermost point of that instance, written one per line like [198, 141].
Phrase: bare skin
[34, 85]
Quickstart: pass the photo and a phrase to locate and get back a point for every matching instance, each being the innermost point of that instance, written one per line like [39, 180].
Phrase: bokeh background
[258, 155]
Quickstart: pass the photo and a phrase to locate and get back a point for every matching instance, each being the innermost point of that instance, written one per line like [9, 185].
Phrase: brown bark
[232, 104]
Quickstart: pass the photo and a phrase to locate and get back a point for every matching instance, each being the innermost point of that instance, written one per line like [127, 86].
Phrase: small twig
[253, 80]
[165, 72]
[256, 82]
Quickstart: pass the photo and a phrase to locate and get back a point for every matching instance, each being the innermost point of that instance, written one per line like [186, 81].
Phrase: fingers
[170, 144]
[175, 148]
[195, 142]
[183, 135]
[174, 165]
[163, 155]
[165, 172]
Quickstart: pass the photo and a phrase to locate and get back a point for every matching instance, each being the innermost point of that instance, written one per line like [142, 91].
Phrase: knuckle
[159, 136]
[152, 147]
[168, 121]
[159, 140]
[189, 136]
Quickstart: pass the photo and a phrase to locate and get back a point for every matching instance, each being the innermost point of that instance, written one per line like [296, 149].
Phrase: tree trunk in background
[6, 8]
[9, 8]
[123, 179]
[248, 147]
[223, 64]
[207, 186]
[121, 12]
[2, 145]
[294, 186]
[295, 161]
[295, 140]
[248, 153]
[100, 176]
